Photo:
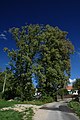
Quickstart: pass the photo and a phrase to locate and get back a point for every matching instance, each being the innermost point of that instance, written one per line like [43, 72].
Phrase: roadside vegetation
[8, 111]
[4, 103]
[29, 113]
[75, 103]
[75, 106]
[10, 115]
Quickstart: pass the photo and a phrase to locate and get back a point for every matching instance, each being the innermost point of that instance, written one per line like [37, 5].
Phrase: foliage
[47, 99]
[34, 102]
[63, 91]
[43, 51]
[76, 84]
[53, 69]
[2, 74]
[29, 114]
[75, 106]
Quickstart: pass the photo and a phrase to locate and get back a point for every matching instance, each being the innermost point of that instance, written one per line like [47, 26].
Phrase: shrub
[47, 98]
[75, 106]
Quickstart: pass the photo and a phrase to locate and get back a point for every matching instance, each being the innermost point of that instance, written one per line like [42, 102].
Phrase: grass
[75, 106]
[28, 114]
[10, 115]
[14, 115]
[4, 103]
[34, 102]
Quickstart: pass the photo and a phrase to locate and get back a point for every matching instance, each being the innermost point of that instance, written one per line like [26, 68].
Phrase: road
[55, 111]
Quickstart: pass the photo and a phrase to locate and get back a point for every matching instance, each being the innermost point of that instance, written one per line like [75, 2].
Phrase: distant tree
[76, 84]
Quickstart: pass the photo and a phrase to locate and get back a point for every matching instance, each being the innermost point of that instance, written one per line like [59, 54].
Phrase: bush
[8, 94]
[63, 92]
[47, 99]
[75, 106]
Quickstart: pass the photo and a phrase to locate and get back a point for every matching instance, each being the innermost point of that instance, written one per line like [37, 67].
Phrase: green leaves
[51, 65]
[76, 84]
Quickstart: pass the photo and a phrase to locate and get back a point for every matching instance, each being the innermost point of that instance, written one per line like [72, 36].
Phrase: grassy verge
[75, 106]
[14, 115]
[4, 103]
[35, 102]
[40, 101]
[10, 115]
[28, 114]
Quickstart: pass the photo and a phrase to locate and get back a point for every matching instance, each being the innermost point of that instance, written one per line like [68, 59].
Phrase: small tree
[76, 84]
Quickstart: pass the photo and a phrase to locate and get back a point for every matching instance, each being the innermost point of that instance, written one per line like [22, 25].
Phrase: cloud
[3, 36]
[78, 53]
[5, 31]
[72, 80]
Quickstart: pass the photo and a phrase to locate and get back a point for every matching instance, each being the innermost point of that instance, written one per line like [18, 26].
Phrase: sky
[62, 13]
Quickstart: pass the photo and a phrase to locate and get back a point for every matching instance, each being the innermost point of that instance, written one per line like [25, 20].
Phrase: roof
[69, 87]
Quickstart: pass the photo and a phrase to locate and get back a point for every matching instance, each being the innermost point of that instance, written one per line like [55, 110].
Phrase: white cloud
[78, 53]
[3, 36]
[72, 80]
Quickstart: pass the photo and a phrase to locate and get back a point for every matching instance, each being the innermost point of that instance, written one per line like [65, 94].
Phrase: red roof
[69, 87]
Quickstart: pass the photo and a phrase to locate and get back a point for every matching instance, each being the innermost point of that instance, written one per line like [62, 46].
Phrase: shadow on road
[61, 108]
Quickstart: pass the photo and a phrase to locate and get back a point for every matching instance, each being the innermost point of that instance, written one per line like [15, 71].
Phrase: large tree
[43, 51]
[54, 65]
[22, 59]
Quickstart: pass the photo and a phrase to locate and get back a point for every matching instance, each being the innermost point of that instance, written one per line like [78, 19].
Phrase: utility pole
[4, 84]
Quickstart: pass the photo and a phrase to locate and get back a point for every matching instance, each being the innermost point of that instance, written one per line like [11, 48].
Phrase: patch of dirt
[21, 107]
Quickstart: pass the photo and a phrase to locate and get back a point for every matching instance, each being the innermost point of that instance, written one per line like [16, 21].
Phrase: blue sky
[62, 13]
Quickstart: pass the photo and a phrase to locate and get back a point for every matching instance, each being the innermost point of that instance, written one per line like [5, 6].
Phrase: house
[75, 92]
[69, 89]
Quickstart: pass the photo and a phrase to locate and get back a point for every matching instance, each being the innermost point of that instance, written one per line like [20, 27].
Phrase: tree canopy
[44, 51]
[76, 84]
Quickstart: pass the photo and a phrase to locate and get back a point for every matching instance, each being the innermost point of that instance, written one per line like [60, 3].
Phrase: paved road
[58, 111]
